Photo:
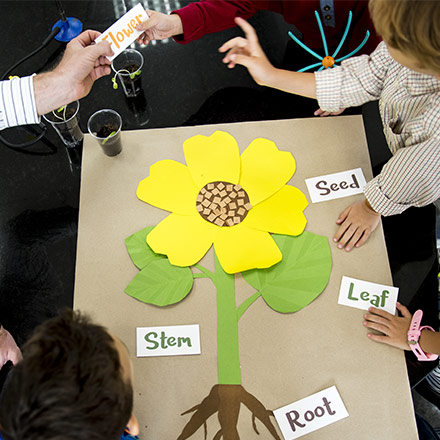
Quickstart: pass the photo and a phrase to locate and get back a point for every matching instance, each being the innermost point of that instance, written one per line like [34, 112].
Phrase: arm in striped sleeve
[410, 178]
[17, 102]
[357, 81]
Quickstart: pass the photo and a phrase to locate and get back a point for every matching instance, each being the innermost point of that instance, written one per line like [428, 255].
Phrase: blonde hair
[411, 26]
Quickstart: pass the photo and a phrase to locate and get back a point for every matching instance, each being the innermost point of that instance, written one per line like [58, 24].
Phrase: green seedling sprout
[131, 75]
[108, 137]
[59, 110]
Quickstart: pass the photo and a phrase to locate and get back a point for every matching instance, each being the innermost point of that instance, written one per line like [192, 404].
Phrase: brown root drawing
[226, 401]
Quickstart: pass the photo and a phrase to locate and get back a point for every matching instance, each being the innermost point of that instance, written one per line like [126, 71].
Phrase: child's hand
[247, 52]
[8, 348]
[322, 113]
[357, 222]
[395, 328]
[159, 26]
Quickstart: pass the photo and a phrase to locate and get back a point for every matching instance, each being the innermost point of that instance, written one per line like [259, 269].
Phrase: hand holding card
[122, 33]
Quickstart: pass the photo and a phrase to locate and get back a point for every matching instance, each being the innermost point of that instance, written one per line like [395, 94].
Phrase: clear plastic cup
[65, 122]
[105, 126]
[127, 67]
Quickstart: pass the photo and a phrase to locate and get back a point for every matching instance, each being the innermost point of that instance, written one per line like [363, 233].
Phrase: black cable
[29, 129]
[49, 38]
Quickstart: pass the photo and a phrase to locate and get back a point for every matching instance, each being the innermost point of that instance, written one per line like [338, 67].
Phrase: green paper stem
[228, 359]
[241, 309]
[201, 275]
[203, 270]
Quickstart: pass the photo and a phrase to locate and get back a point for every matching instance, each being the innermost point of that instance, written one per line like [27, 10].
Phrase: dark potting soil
[106, 130]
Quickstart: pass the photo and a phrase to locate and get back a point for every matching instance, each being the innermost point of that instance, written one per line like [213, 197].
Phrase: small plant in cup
[63, 113]
[132, 74]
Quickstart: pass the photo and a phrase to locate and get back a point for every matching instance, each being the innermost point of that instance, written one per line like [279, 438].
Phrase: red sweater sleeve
[208, 16]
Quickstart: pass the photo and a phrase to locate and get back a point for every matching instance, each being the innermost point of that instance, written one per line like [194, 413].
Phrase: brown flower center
[223, 203]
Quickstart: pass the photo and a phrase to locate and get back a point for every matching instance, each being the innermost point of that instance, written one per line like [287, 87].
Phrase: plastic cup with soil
[65, 121]
[105, 126]
[127, 67]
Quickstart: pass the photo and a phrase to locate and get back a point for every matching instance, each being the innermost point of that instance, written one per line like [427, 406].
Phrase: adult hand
[357, 222]
[394, 328]
[248, 52]
[159, 27]
[323, 113]
[8, 348]
[82, 64]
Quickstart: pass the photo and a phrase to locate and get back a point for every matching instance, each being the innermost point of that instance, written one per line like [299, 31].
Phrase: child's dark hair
[68, 386]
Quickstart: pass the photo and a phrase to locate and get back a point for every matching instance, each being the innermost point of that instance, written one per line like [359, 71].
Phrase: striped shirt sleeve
[357, 81]
[410, 178]
[17, 102]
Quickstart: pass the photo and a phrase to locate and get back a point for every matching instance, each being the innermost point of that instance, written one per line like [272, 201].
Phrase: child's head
[411, 30]
[74, 382]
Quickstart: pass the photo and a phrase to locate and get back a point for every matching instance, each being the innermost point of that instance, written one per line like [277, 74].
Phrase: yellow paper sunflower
[225, 199]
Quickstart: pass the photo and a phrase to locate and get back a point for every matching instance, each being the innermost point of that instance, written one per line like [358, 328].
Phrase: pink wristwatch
[413, 338]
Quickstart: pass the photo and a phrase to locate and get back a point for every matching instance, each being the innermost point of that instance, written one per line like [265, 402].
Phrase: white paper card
[363, 294]
[335, 186]
[311, 413]
[123, 32]
[174, 340]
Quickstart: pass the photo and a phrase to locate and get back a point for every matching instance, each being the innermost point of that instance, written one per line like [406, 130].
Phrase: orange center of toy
[328, 62]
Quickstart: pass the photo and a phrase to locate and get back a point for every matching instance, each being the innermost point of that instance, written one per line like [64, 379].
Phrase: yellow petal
[169, 186]
[264, 169]
[281, 213]
[184, 239]
[239, 248]
[213, 158]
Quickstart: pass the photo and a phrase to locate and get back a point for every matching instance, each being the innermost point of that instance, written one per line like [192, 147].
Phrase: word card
[336, 186]
[363, 294]
[311, 413]
[123, 32]
[176, 340]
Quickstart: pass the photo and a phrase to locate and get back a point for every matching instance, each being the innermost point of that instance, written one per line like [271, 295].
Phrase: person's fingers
[249, 32]
[243, 60]
[98, 50]
[16, 357]
[102, 71]
[87, 37]
[318, 112]
[403, 310]
[378, 338]
[341, 231]
[378, 327]
[364, 238]
[343, 215]
[380, 312]
[151, 22]
[228, 57]
[354, 239]
[378, 319]
[347, 236]
[233, 43]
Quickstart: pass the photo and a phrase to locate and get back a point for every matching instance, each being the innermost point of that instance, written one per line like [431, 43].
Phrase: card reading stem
[176, 340]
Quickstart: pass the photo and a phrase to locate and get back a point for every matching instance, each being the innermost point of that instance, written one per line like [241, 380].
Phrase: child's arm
[395, 330]
[248, 52]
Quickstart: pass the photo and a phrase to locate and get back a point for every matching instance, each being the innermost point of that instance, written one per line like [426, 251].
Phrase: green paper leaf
[299, 277]
[140, 253]
[161, 284]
